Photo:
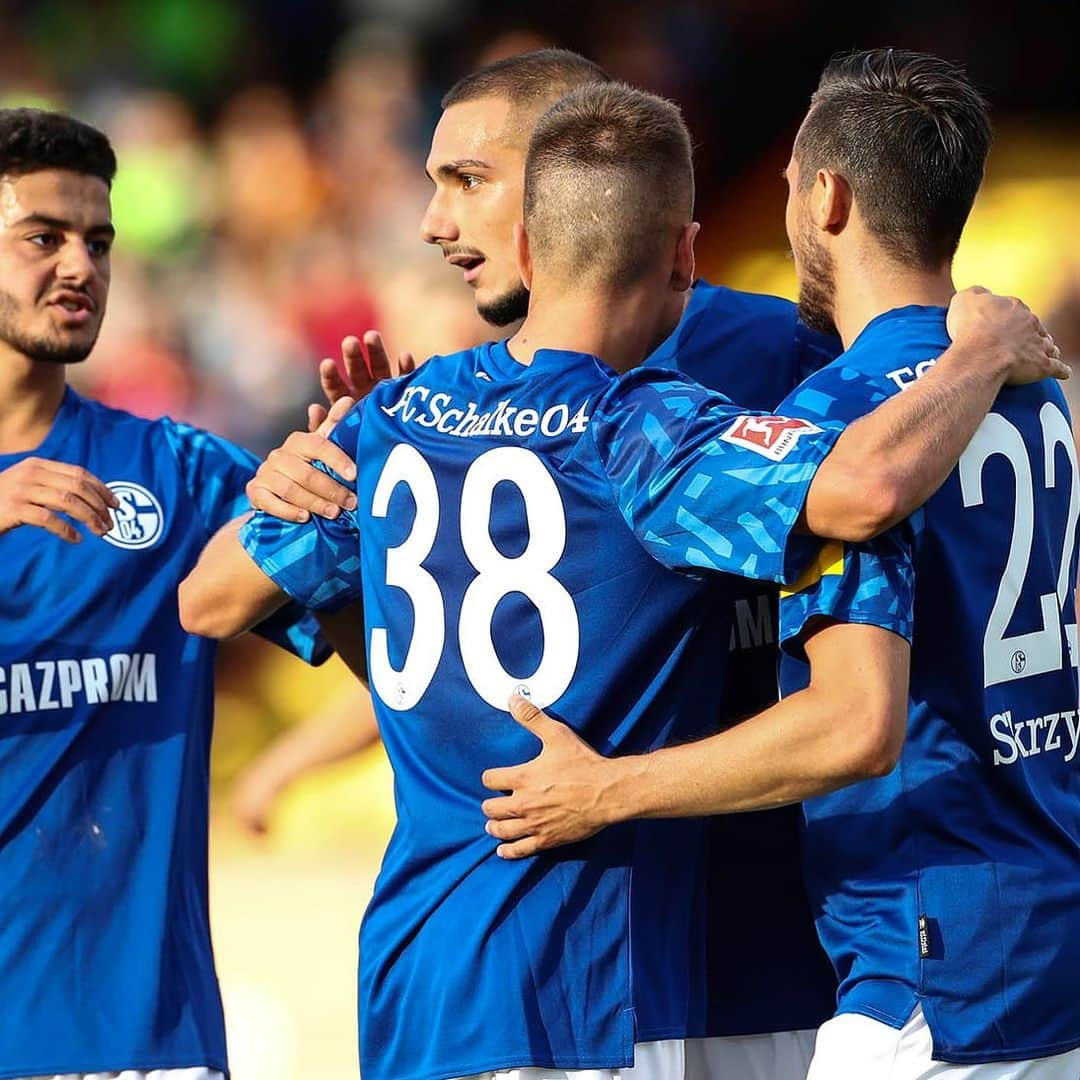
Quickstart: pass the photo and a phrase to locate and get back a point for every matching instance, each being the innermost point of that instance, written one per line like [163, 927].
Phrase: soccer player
[105, 703]
[947, 886]
[769, 985]
[494, 513]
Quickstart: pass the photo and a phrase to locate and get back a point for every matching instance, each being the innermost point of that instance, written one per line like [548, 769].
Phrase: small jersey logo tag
[924, 938]
[773, 437]
[139, 521]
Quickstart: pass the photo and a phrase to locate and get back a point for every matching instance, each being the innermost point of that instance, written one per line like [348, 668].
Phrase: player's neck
[872, 286]
[30, 396]
[621, 328]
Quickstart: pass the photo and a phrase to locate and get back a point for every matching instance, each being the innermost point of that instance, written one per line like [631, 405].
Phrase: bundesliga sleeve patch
[773, 437]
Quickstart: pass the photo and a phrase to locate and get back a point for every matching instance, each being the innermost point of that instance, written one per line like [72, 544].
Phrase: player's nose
[437, 224]
[76, 265]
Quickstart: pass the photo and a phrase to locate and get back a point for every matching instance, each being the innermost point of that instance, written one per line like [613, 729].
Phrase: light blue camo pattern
[318, 563]
[697, 502]
[875, 588]
[877, 585]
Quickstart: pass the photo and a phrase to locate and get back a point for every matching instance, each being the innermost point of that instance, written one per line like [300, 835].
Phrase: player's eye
[48, 240]
[469, 181]
[99, 247]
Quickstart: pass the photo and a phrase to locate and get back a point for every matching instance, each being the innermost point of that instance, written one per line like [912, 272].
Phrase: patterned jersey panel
[705, 485]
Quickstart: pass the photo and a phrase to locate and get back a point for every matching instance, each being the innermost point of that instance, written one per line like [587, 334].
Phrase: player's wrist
[984, 355]
[625, 793]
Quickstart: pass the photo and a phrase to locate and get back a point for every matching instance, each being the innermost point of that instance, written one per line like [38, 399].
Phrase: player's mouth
[470, 264]
[75, 309]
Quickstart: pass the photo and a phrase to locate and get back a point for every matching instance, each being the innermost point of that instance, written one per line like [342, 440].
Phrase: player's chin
[502, 307]
[67, 348]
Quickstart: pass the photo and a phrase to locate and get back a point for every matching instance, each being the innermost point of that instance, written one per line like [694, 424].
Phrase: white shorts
[855, 1047]
[782, 1055]
[135, 1074]
[652, 1061]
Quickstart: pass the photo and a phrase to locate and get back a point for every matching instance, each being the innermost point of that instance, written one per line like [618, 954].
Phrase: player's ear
[683, 273]
[524, 256]
[830, 201]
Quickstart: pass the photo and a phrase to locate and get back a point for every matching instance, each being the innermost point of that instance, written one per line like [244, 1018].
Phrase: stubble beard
[817, 286]
[40, 349]
[505, 309]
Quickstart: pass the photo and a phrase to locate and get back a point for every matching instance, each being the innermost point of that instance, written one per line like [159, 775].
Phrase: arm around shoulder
[846, 726]
[226, 593]
[889, 462]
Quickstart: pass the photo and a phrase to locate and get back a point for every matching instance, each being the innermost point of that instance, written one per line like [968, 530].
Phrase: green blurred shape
[188, 42]
[155, 202]
[28, 99]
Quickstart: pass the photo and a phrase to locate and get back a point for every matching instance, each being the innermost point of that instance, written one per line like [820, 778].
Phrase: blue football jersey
[105, 718]
[766, 969]
[506, 535]
[954, 881]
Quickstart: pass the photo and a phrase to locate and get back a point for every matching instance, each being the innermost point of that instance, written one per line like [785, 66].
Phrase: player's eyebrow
[449, 169]
[103, 228]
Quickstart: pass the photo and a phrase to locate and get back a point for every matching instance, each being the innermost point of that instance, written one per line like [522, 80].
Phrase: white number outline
[528, 573]
[1036, 652]
[402, 688]
[496, 576]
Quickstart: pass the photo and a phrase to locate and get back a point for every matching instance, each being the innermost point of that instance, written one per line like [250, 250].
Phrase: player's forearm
[891, 461]
[847, 725]
[792, 751]
[226, 593]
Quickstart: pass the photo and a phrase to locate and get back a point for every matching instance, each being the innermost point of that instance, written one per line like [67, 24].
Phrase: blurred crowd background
[267, 203]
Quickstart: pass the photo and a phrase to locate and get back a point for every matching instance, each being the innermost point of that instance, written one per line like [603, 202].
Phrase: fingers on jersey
[337, 412]
[322, 420]
[287, 485]
[34, 491]
[557, 798]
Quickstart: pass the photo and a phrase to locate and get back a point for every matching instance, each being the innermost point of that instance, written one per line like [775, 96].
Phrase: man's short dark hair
[32, 140]
[532, 79]
[609, 177]
[910, 134]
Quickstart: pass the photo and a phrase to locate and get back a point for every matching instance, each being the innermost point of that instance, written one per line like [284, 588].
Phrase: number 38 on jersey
[494, 576]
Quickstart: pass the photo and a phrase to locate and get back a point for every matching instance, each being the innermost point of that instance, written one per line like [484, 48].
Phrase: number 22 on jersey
[494, 577]
[1006, 658]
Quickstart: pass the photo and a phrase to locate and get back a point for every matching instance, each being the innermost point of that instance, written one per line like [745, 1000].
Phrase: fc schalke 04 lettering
[417, 405]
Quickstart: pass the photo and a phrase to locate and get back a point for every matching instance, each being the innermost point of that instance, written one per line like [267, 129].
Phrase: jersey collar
[895, 316]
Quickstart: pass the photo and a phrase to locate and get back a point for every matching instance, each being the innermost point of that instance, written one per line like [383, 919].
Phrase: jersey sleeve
[871, 583]
[704, 485]
[316, 562]
[215, 473]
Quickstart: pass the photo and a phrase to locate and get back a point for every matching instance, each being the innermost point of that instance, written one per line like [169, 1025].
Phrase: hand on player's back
[359, 380]
[288, 486]
[1008, 330]
[559, 797]
[35, 491]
